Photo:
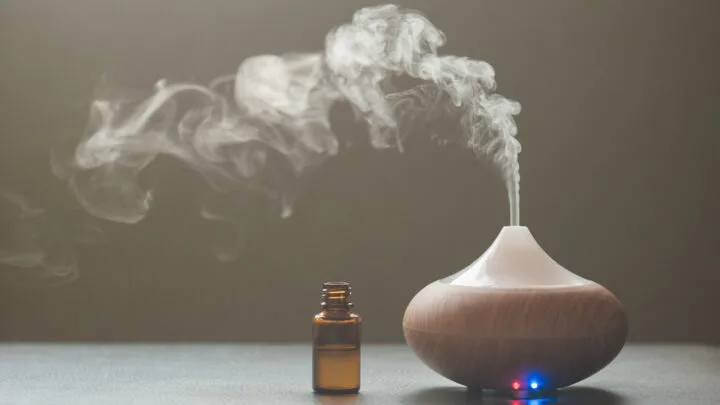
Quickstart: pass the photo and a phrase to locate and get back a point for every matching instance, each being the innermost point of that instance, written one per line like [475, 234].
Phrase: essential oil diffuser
[515, 320]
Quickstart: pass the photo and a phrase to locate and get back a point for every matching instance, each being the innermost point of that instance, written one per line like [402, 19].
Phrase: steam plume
[384, 42]
[271, 120]
[34, 242]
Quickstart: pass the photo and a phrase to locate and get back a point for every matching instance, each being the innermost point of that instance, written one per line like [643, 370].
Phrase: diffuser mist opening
[515, 260]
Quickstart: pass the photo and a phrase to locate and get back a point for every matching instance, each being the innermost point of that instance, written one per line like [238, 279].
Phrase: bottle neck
[336, 297]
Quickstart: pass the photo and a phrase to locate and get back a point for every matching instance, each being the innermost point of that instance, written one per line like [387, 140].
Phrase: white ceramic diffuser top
[515, 260]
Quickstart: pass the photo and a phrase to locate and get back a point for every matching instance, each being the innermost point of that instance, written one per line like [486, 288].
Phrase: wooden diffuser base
[515, 320]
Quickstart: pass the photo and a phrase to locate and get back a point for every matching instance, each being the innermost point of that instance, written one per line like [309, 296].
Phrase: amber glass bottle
[336, 342]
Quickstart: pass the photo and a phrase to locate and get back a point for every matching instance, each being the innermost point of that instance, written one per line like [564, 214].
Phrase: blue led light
[533, 384]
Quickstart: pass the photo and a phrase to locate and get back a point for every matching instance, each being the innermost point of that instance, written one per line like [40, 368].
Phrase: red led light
[516, 385]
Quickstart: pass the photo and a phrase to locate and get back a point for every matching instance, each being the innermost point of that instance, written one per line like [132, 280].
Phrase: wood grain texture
[489, 337]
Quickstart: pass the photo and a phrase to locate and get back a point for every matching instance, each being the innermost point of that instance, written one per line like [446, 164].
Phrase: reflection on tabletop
[349, 399]
[565, 396]
[460, 396]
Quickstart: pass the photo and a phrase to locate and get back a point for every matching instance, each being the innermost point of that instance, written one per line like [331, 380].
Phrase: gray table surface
[259, 374]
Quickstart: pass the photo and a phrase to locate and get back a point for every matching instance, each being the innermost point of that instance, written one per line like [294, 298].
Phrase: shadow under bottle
[336, 342]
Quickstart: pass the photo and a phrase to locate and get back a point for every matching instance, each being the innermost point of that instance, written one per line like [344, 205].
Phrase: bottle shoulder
[327, 317]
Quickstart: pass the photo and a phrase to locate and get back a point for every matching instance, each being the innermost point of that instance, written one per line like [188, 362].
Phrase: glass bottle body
[336, 349]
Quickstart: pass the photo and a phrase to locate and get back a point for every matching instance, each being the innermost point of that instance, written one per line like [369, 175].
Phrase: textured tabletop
[209, 374]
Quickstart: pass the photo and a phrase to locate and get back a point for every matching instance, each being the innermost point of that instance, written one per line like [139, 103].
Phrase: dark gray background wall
[619, 168]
